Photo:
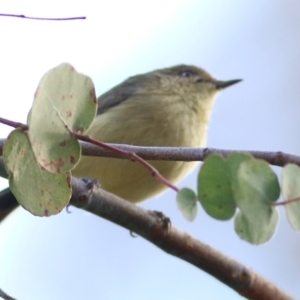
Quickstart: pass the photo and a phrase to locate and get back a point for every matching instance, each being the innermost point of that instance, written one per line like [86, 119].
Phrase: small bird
[168, 107]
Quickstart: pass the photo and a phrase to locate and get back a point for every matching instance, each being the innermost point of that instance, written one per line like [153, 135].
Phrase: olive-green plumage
[167, 107]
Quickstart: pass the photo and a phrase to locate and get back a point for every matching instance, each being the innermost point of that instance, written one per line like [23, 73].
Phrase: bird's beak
[224, 84]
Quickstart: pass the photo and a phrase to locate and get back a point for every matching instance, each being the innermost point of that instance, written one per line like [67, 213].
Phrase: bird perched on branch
[166, 107]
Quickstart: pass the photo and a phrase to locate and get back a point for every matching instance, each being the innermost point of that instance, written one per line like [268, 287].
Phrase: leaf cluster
[39, 157]
[247, 189]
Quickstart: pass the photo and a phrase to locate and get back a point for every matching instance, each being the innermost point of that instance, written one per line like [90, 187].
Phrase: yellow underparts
[181, 127]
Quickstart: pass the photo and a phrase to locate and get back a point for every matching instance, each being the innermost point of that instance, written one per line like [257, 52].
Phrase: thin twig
[277, 158]
[13, 124]
[42, 19]
[190, 154]
[286, 201]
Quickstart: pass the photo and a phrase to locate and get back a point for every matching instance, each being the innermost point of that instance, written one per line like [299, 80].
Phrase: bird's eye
[186, 74]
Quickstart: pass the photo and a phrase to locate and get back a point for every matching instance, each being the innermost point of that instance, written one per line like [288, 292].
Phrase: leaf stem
[286, 202]
[129, 155]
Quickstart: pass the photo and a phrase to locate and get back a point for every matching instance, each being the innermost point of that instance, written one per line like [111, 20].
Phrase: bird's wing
[115, 96]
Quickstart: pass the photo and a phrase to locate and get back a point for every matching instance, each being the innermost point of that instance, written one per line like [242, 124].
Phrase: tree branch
[150, 226]
[183, 154]
[4, 296]
[173, 241]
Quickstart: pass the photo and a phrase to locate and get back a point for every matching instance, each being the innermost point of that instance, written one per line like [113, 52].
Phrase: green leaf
[291, 190]
[65, 100]
[214, 188]
[187, 203]
[246, 231]
[234, 161]
[40, 192]
[256, 187]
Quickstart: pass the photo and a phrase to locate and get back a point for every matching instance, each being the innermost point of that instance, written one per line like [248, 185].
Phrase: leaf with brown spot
[65, 102]
[40, 192]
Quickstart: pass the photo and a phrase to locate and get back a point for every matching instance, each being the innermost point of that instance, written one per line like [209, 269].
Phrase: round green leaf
[260, 177]
[214, 188]
[256, 187]
[249, 231]
[187, 203]
[40, 192]
[65, 100]
[291, 190]
[234, 161]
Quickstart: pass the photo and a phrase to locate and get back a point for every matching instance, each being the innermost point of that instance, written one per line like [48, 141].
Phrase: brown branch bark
[150, 226]
[277, 158]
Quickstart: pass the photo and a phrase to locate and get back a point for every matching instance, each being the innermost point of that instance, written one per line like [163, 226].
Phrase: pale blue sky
[79, 256]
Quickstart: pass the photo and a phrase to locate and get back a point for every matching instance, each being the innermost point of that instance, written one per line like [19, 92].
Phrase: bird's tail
[8, 203]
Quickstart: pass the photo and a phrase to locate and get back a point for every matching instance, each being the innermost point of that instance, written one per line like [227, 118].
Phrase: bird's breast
[144, 122]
